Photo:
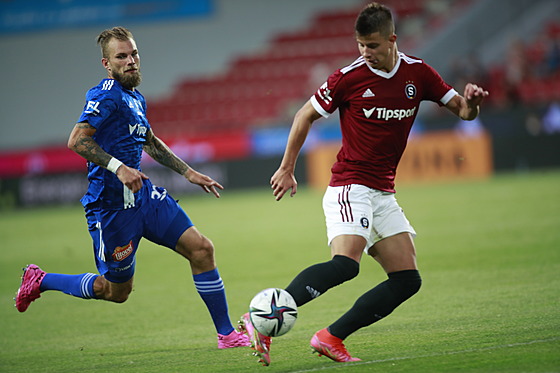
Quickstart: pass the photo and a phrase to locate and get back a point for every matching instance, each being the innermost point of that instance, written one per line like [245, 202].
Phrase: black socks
[317, 279]
[369, 308]
[378, 302]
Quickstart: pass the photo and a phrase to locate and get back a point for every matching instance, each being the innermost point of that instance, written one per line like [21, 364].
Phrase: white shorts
[358, 210]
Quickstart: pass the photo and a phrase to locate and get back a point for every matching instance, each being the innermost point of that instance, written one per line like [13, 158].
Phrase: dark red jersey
[377, 110]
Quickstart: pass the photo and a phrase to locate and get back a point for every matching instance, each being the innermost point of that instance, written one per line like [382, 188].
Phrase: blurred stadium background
[223, 80]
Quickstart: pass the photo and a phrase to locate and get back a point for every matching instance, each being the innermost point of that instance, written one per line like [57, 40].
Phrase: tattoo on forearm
[160, 152]
[90, 150]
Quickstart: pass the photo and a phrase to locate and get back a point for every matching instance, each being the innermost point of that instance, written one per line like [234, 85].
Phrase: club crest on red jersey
[410, 91]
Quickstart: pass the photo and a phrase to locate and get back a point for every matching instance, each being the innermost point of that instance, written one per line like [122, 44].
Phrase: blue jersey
[119, 117]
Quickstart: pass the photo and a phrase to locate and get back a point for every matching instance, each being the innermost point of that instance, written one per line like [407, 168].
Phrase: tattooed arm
[81, 141]
[161, 153]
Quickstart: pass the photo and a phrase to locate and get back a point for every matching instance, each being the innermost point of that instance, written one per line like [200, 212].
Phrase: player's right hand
[281, 182]
[131, 177]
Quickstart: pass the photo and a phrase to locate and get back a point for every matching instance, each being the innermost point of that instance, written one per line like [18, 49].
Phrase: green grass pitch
[489, 254]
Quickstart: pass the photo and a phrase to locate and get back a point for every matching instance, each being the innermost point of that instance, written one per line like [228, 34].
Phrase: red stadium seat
[259, 88]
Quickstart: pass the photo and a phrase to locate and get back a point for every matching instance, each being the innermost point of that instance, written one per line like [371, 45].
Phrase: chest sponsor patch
[386, 114]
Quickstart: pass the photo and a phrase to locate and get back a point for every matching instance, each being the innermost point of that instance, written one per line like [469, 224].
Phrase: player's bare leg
[395, 253]
[199, 251]
[351, 246]
[112, 291]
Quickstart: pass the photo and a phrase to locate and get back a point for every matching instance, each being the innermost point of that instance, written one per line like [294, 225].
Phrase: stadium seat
[259, 88]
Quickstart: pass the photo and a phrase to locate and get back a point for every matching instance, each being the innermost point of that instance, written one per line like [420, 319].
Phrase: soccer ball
[273, 312]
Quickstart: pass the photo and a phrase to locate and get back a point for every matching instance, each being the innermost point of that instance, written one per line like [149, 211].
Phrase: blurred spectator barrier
[434, 156]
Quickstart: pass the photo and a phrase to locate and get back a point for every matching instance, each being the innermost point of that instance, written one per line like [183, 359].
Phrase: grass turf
[487, 250]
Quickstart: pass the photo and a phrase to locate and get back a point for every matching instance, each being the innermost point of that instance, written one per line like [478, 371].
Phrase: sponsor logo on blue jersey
[92, 107]
[139, 128]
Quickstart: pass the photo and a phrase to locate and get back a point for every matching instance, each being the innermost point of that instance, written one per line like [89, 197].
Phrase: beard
[128, 81]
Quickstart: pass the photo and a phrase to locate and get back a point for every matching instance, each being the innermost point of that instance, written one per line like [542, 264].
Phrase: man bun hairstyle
[373, 18]
[118, 32]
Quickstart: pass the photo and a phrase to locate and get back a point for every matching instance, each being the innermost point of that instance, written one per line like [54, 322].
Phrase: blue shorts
[117, 233]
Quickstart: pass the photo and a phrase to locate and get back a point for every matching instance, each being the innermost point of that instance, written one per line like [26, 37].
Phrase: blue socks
[211, 289]
[80, 286]
[208, 284]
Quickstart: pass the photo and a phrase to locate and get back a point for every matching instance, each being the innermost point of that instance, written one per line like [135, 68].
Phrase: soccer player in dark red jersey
[378, 97]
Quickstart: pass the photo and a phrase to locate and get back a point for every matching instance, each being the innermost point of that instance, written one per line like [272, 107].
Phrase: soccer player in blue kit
[121, 203]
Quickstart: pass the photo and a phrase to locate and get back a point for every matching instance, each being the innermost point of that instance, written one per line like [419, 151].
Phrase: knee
[119, 295]
[106, 291]
[405, 283]
[206, 246]
[118, 298]
[200, 249]
[346, 267]
[203, 249]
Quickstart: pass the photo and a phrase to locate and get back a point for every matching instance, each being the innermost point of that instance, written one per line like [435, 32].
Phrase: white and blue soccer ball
[273, 312]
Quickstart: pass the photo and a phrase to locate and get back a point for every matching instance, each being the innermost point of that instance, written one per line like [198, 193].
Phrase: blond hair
[118, 32]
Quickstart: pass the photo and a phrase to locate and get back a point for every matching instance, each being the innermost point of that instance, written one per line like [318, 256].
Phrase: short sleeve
[99, 106]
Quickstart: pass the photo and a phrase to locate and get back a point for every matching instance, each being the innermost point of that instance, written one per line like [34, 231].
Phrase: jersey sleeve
[328, 97]
[99, 106]
[437, 89]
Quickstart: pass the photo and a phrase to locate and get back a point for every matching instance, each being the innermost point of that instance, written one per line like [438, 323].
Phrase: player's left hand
[474, 94]
[206, 182]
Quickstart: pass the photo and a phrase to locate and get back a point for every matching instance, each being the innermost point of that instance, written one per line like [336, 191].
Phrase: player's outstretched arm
[467, 107]
[81, 141]
[161, 153]
[208, 184]
[284, 179]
